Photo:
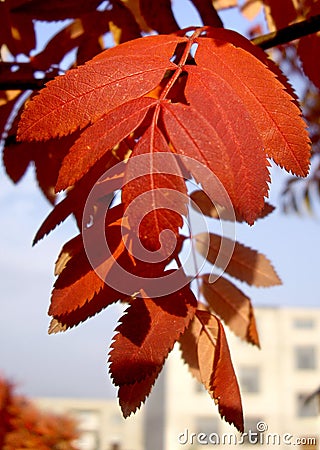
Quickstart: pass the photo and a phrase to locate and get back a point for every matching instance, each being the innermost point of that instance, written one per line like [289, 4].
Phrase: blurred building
[279, 386]
[275, 383]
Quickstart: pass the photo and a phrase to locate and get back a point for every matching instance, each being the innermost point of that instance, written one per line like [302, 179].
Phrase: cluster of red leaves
[87, 33]
[210, 100]
[213, 108]
[22, 425]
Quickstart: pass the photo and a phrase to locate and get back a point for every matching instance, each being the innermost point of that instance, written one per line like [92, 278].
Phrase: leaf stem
[181, 63]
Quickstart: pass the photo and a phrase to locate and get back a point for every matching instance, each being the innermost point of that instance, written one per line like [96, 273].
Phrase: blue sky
[74, 363]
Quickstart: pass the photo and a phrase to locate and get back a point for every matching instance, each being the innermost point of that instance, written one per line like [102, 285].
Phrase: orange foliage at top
[22, 425]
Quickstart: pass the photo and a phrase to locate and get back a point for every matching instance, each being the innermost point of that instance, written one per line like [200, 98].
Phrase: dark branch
[21, 76]
[32, 84]
[288, 34]
[279, 37]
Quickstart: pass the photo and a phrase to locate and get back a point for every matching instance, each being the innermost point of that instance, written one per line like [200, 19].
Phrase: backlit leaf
[161, 190]
[158, 15]
[219, 137]
[74, 35]
[251, 8]
[264, 97]
[134, 6]
[224, 4]
[137, 352]
[58, 9]
[79, 281]
[308, 47]
[123, 24]
[131, 396]
[232, 306]
[68, 314]
[208, 13]
[76, 198]
[216, 211]
[102, 136]
[215, 108]
[205, 337]
[85, 94]
[245, 264]
[16, 31]
[279, 14]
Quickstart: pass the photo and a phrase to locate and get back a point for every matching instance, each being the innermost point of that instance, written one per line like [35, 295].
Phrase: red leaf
[101, 137]
[16, 159]
[275, 116]
[208, 12]
[71, 312]
[245, 264]
[308, 47]
[232, 306]
[206, 206]
[17, 31]
[238, 40]
[18, 155]
[155, 190]
[137, 352]
[80, 31]
[232, 132]
[76, 198]
[282, 13]
[66, 317]
[85, 94]
[68, 251]
[8, 101]
[159, 16]
[79, 282]
[205, 338]
[132, 395]
[216, 130]
[50, 154]
[125, 23]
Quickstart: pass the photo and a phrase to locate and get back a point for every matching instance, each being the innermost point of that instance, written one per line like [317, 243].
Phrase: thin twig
[289, 33]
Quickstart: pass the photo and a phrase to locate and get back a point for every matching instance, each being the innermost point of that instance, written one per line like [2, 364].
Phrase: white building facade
[276, 383]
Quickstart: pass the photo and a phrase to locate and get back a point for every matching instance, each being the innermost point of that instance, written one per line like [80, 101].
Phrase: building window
[305, 357]
[307, 406]
[249, 379]
[306, 323]
[89, 419]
